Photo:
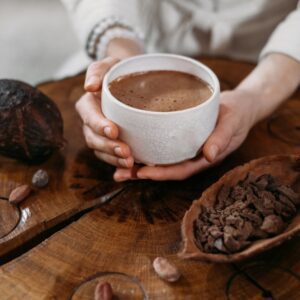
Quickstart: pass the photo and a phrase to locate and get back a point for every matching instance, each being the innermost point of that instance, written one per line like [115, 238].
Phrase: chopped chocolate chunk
[213, 216]
[235, 220]
[263, 203]
[215, 232]
[287, 203]
[232, 245]
[216, 222]
[238, 193]
[289, 193]
[222, 219]
[238, 205]
[246, 230]
[223, 196]
[208, 248]
[242, 233]
[273, 225]
[250, 198]
[279, 208]
[268, 200]
[249, 179]
[257, 233]
[253, 216]
[229, 230]
[210, 240]
[262, 182]
[284, 207]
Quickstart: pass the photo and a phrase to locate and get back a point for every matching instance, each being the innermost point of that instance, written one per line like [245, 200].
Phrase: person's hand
[101, 134]
[256, 97]
[236, 117]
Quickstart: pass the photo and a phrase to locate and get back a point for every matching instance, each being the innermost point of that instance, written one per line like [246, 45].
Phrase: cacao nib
[288, 192]
[252, 215]
[223, 196]
[238, 193]
[262, 182]
[215, 232]
[232, 245]
[250, 178]
[273, 225]
[235, 220]
[286, 202]
[258, 234]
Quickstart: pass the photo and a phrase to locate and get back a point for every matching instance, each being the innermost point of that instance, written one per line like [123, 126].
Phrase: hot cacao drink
[162, 91]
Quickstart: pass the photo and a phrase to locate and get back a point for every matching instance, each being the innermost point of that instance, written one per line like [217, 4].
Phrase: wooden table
[62, 240]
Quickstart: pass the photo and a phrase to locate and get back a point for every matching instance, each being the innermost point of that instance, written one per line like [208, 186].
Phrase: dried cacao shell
[31, 126]
[284, 169]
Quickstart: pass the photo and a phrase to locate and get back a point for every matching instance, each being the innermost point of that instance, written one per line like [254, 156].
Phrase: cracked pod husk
[31, 126]
[286, 171]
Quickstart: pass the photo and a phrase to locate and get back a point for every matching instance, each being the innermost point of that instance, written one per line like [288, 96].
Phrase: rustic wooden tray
[62, 240]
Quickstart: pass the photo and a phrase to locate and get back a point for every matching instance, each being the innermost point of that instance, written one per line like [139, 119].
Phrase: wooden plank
[98, 244]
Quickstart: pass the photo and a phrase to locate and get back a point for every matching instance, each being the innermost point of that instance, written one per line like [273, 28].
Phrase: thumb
[96, 72]
[220, 138]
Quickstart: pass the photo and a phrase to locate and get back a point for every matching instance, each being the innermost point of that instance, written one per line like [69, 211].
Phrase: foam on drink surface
[160, 90]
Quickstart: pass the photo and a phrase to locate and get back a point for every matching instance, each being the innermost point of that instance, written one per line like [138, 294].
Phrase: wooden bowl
[285, 168]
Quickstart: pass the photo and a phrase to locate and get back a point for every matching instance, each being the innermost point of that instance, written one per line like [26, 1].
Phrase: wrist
[273, 80]
[122, 48]
[253, 101]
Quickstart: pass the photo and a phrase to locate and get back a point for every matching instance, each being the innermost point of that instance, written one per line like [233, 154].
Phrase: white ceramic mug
[159, 138]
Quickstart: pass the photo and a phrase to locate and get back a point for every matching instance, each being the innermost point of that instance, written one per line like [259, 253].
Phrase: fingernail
[141, 176]
[213, 151]
[118, 151]
[123, 162]
[91, 81]
[121, 178]
[107, 131]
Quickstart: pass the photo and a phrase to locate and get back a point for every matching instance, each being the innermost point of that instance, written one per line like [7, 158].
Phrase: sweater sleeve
[286, 37]
[98, 21]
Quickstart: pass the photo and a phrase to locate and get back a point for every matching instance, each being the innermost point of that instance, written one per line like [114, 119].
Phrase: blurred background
[37, 40]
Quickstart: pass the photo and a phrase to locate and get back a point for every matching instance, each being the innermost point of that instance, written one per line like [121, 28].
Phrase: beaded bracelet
[106, 30]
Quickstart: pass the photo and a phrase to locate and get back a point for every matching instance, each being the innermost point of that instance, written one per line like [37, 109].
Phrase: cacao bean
[103, 291]
[19, 194]
[40, 178]
[165, 270]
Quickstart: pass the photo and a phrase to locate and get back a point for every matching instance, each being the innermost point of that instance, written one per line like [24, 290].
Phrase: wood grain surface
[63, 239]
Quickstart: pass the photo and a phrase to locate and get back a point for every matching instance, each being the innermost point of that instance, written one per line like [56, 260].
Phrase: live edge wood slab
[62, 240]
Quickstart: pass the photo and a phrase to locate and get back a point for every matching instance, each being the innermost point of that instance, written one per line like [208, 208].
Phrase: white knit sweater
[240, 29]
